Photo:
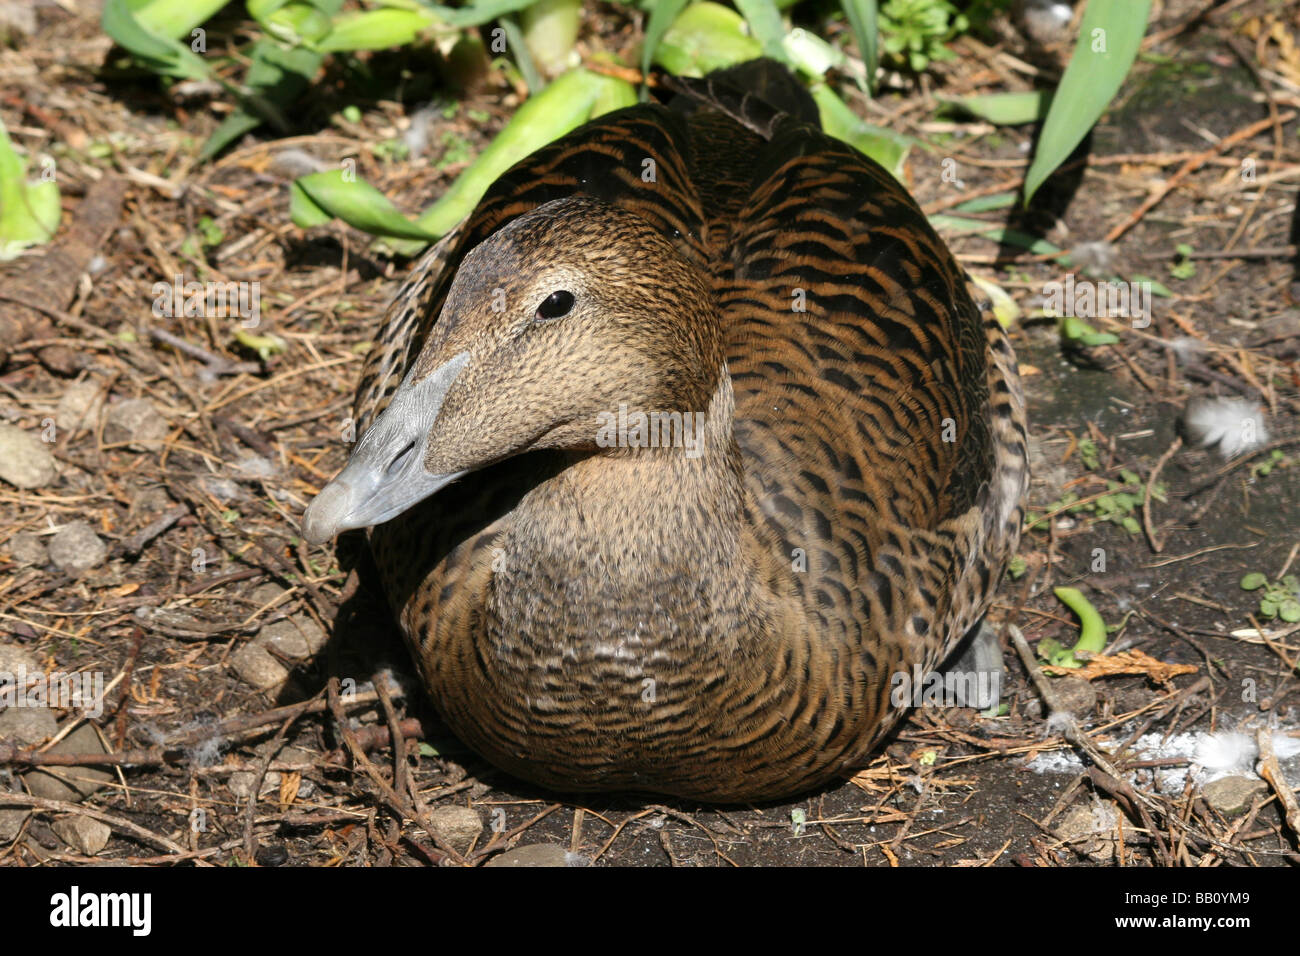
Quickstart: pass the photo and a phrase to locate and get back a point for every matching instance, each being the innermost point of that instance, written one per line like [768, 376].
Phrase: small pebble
[25, 460]
[1233, 795]
[76, 548]
[71, 784]
[82, 833]
[28, 550]
[539, 854]
[136, 421]
[258, 667]
[459, 826]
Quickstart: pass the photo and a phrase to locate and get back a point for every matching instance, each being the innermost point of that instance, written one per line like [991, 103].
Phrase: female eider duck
[668, 475]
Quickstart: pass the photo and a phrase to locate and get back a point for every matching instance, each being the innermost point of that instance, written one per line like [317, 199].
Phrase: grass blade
[662, 17]
[862, 17]
[315, 198]
[765, 26]
[1003, 109]
[1109, 37]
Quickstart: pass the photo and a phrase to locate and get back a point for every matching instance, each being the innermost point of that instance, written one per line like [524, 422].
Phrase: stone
[27, 726]
[1075, 695]
[223, 489]
[79, 408]
[296, 638]
[1233, 795]
[135, 421]
[241, 783]
[264, 594]
[14, 659]
[25, 461]
[11, 818]
[84, 834]
[17, 21]
[72, 784]
[538, 854]
[28, 550]
[75, 548]
[257, 666]
[1096, 821]
[459, 826]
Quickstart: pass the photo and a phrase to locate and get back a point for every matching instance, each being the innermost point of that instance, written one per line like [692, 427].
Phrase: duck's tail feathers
[758, 94]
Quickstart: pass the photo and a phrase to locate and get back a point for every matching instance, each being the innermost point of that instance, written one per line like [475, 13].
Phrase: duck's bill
[386, 475]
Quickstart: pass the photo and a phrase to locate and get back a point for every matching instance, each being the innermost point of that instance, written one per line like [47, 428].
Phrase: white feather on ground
[1234, 425]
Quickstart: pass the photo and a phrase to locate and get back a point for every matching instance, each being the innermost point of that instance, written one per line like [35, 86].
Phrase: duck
[684, 444]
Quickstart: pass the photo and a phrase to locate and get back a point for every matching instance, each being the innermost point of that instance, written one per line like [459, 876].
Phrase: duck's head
[557, 319]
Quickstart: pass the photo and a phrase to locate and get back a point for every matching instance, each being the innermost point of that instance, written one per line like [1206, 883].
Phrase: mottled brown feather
[828, 537]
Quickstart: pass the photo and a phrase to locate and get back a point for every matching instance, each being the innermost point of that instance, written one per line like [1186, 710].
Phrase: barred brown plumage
[720, 625]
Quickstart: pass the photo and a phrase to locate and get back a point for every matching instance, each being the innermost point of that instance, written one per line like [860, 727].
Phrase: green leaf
[1075, 330]
[543, 118]
[705, 37]
[528, 69]
[662, 16]
[173, 19]
[472, 14]
[29, 212]
[550, 29]
[1097, 68]
[956, 224]
[375, 30]
[987, 203]
[163, 56]
[1253, 581]
[765, 26]
[862, 17]
[613, 95]
[1005, 309]
[264, 345]
[354, 201]
[1092, 629]
[810, 54]
[888, 148]
[277, 76]
[1003, 109]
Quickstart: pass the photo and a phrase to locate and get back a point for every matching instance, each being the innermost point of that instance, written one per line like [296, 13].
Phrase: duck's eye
[556, 305]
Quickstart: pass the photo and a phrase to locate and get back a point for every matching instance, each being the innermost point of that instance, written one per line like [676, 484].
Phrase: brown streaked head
[561, 315]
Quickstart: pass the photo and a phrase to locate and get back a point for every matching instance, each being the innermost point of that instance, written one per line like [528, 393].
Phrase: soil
[170, 619]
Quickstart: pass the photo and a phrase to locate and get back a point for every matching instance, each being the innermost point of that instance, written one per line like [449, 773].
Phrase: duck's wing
[879, 411]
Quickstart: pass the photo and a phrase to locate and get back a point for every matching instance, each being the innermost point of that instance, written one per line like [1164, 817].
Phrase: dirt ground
[192, 467]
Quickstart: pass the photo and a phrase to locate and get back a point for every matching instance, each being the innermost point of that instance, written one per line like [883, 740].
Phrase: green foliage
[913, 32]
[29, 211]
[1275, 460]
[1183, 267]
[1109, 37]
[1280, 600]
[1077, 333]
[1118, 506]
[268, 76]
[1092, 632]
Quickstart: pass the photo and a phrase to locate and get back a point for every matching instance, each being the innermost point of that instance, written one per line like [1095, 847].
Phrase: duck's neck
[634, 526]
